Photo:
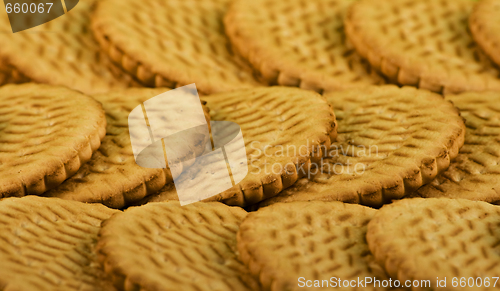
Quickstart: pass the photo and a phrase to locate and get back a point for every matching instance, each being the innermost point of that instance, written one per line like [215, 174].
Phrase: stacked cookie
[371, 131]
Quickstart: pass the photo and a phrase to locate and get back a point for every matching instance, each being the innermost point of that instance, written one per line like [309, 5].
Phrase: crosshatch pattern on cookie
[475, 173]
[421, 239]
[45, 136]
[390, 142]
[189, 247]
[284, 129]
[112, 176]
[422, 43]
[63, 52]
[171, 43]
[313, 240]
[298, 43]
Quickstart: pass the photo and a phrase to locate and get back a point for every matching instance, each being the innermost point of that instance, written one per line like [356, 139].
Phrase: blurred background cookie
[298, 43]
[62, 52]
[421, 43]
[171, 43]
[484, 23]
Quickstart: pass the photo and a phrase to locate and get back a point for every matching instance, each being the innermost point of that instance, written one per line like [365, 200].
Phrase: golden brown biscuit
[48, 244]
[284, 129]
[290, 246]
[390, 142]
[45, 136]
[475, 173]
[165, 246]
[62, 52]
[171, 43]
[112, 176]
[484, 23]
[421, 43]
[298, 43]
[426, 240]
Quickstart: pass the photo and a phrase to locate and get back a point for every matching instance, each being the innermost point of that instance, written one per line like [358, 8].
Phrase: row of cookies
[382, 143]
[224, 45]
[417, 244]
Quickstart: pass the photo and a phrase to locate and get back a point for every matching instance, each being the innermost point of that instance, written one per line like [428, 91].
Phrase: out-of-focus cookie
[475, 173]
[422, 43]
[165, 246]
[45, 136]
[62, 52]
[426, 240]
[49, 244]
[112, 176]
[390, 142]
[484, 23]
[284, 130]
[298, 43]
[171, 43]
[287, 244]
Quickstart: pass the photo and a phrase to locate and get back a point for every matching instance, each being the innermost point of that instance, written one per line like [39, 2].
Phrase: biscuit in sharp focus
[112, 176]
[390, 142]
[45, 136]
[48, 244]
[165, 246]
[421, 239]
[317, 240]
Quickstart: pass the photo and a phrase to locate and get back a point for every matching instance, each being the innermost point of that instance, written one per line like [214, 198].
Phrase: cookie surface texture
[287, 244]
[165, 246]
[171, 43]
[390, 142]
[484, 23]
[284, 130]
[63, 52]
[49, 244]
[45, 137]
[298, 43]
[112, 176]
[421, 239]
[422, 43]
[475, 173]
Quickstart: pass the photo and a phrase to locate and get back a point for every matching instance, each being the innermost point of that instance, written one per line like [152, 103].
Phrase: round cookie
[484, 23]
[112, 176]
[425, 239]
[165, 246]
[171, 43]
[45, 137]
[287, 244]
[62, 52]
[475, 173]
[298, 43]
[390, 142]
[421, 43]
[49, 244]
[285, 130]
